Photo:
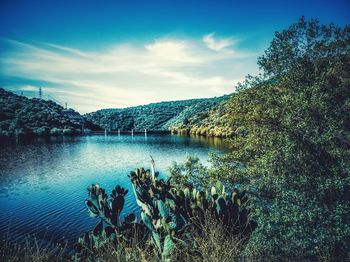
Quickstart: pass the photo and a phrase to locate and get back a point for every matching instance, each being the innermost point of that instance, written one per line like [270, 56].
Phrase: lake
[43, 182]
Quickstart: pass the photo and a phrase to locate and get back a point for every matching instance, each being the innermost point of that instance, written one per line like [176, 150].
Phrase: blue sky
[101, 54]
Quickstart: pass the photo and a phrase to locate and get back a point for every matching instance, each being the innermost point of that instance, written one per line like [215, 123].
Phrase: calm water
[43, 183]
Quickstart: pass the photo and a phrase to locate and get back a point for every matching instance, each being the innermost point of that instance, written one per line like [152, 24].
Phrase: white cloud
[29, 88]
[171, 50]
[128, 74]
[217, 44]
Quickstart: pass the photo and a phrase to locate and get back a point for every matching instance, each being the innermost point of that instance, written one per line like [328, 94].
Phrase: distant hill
[213, 122]
[21, 116]
[156, 116]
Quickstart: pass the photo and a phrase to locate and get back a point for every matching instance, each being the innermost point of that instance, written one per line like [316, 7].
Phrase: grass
[210, 243]
[31, 250]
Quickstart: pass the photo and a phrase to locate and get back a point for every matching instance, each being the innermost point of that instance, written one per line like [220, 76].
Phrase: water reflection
[43, 182]
[215, 142]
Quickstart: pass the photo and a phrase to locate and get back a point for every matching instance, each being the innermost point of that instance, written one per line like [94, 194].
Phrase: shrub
[291, 145]
[172, 217]
[41, 131]
[56, 131]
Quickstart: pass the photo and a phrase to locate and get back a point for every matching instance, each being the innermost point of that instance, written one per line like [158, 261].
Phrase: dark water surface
[43, 183]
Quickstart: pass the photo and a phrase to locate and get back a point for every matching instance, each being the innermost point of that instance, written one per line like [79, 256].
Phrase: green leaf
[168, 247]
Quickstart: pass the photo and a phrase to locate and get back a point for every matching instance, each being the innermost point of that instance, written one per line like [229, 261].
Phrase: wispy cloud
[127, 74]
[218, 44]
[29, 88]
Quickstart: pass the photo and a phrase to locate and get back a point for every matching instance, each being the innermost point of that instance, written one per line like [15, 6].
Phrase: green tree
[291, 148]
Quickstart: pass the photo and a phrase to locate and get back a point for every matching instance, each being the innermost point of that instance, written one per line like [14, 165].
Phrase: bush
[41, 131]
[55, 131]
[191, 171]
[68, 131]
[291, 145]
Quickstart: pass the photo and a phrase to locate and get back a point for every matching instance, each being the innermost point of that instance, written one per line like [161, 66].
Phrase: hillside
[214, 122]
[156, 116]
[21, 116]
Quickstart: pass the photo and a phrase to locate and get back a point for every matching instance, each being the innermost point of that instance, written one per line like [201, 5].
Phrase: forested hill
[156, 116]
[21, 116]
[214, 122]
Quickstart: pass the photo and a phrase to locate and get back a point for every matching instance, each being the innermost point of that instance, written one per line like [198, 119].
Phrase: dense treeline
[156, 116]
[21, 116]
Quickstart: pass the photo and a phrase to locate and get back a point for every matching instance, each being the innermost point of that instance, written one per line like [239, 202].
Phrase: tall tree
[291, 148]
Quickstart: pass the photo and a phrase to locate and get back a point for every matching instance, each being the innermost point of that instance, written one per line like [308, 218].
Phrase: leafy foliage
[291, 144]
[190, 172]
[20, 116]
[212, 122]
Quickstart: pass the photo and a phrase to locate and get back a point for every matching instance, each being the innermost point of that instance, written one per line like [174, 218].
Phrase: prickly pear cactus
[158, 210]
[168, 214]
[110, 228]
